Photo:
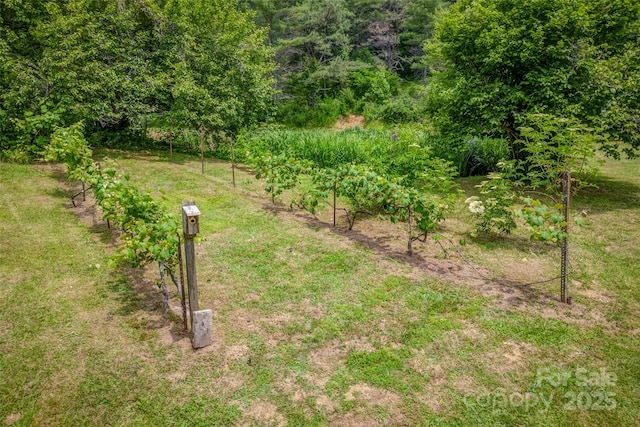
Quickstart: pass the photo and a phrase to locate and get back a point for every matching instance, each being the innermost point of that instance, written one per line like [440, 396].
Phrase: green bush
[400, 109]
[15, 155]
[483, 155]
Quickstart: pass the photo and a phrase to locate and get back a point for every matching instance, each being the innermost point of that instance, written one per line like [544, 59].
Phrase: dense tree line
[118, 63]
[469, 68]
[338, 56]
[474, 67]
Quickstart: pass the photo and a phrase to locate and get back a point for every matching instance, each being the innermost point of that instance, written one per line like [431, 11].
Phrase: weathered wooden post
[201, 320]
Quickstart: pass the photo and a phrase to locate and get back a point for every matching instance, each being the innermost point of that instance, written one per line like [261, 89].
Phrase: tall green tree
[99, 60]
[25, 116]
[115, 63]
[417, 27]
[219, 67]
[314, 52]
[497, 60]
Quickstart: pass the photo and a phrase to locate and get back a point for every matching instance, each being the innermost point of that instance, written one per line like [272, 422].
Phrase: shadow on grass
[455, 269]
[521, 243]
[610, 194]
[133, 292]
[141, 304]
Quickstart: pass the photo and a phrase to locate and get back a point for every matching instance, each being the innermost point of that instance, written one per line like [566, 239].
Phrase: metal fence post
[564, 268]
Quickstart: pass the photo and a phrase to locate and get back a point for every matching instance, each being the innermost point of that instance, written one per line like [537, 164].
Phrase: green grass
[310, 328]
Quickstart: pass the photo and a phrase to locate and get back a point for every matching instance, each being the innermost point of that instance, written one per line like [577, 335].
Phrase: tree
[314, 51]
[98, 60]
[115, 63]
[416, 29]
[24, 117]
[221, 69]
[497, 60]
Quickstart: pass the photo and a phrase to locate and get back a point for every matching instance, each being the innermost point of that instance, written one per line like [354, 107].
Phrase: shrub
[493, 210]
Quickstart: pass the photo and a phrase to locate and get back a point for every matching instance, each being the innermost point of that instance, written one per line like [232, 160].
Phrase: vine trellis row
[149, 233]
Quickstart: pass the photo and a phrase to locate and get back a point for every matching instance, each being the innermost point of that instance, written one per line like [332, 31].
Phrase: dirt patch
[434, 369]
[329, 357]
[325, 403]
[263, 413]
[353, 420]
[349, 121]
[244, 320]
[11, 419]
[372, 396]
[325, 360]
[371, 400]
[434, 400]
[465, 385]
[511, 356]
[177, 377]
[593, 294]
[313, 311]
[170, 336]
[234, 353]
[295, 391]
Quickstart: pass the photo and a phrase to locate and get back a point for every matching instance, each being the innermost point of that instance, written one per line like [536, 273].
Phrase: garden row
[149, 233]
[402, 180]
[367, 192]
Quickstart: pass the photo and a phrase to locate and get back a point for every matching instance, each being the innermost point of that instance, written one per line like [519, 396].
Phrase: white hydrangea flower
[476, 207]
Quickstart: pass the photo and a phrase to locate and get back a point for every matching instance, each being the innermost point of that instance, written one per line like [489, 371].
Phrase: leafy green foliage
[493, 210]
[221, 81]
[366, 192]
[545, 223]
[497, 60]
[556, 145]
[115, 64]
[280, 173]
[149, 233]
[401, 153]
[69, 146]
[31, 132]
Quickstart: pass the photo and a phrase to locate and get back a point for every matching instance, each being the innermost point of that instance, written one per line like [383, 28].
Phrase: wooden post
[190, 228]
[410, 240]
[564, 267]
[183, 284]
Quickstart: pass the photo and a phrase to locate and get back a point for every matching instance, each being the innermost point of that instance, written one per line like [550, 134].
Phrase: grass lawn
[314, 326]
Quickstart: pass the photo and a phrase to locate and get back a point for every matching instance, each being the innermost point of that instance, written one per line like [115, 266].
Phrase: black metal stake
[334, 204]
[564, 268]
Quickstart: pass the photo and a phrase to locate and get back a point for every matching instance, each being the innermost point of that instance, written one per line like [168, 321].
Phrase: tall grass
[379, 149]
[326, 148]
[385, 150]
